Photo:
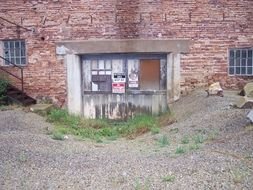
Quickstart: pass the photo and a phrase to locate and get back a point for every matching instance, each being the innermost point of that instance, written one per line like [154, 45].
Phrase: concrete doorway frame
[71, 50]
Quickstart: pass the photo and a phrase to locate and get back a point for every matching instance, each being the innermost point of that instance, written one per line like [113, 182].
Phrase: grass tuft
[58, 136]
[185, 140]
[23, 157]
[194, 147]
[155, 130]
[169, 178]
[163, 141]
[199, 139]
[180, 150]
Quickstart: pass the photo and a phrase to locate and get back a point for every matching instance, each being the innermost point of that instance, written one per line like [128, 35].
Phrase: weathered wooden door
[150, 74]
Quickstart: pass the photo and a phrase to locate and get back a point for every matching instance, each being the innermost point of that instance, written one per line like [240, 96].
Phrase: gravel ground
[31, 159]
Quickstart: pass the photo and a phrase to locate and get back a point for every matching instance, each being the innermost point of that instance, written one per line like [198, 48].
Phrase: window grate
[15, 52]
[240, 62]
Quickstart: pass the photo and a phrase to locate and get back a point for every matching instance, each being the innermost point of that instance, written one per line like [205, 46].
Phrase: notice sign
[118, 87]
[119, 77]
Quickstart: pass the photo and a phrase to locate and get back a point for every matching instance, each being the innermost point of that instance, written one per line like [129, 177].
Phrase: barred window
[15, 52]
[240, 62]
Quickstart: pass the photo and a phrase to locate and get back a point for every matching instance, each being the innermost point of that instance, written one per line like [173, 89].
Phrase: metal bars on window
[15, 52]
[241, 62]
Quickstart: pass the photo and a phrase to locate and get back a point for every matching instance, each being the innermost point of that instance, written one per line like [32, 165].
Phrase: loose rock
[247, 90]
[215, 89]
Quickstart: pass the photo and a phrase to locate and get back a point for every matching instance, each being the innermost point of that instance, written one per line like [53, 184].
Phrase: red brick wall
[212, 25]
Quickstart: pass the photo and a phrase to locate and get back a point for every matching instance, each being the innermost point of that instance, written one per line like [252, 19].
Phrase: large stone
[215, 89]
[247, 90]
[245, 103]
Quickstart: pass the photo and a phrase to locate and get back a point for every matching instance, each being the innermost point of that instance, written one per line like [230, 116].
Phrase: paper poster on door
[119, 83]
[133, 77]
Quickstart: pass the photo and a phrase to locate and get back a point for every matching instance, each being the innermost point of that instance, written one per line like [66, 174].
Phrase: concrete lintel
[125, 46]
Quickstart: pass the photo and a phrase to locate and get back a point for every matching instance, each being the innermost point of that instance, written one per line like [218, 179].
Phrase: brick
[213, 26]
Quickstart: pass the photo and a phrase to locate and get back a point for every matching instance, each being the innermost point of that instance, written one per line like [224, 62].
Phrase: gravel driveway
[222, 159]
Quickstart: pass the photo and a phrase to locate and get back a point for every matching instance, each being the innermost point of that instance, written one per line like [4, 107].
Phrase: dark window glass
[17, 44]
[243, 70]
[243, 62]
[238, 62]
[6, 45]
[18, 61]
[231, 62]
[249, 62]
[238, 54]
[237, 70]
[244, 53]
[232, 54]
[231, 70]
[11, 45]
[250, 53]
[249, 70]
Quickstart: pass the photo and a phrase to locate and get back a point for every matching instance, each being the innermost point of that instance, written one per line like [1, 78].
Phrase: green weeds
[140, 186]
[58, 136]
[155, 130]
[180, 150]
[194, 147]
[98, 129]
[198, 139]
[3, 87]
[163, 141]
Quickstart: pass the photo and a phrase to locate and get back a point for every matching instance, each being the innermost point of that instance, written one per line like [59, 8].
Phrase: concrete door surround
[71, 51]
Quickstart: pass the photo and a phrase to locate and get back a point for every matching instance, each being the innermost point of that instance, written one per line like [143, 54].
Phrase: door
[149, 74]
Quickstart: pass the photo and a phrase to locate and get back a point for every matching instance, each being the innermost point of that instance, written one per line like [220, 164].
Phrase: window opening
[240, 62]
[15, 52]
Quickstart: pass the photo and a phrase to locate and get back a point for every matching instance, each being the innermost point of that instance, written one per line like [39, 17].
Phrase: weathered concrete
[173, 77]
[176, 76]
[124, 46]
[74, 84]
[120, 106]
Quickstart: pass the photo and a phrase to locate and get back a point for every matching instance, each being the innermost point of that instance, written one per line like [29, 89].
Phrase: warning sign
[118, 88]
